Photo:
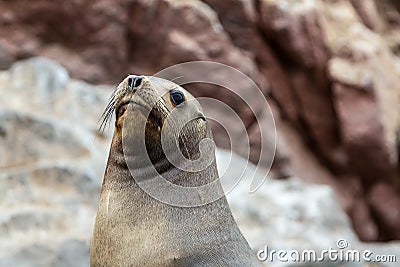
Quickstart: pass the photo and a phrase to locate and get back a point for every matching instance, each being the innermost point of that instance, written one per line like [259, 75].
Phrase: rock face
[53, 161]
[51, 165]
[317, 223]
[330, 70]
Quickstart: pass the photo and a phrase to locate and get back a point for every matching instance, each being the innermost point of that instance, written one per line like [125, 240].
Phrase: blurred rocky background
[330, 70]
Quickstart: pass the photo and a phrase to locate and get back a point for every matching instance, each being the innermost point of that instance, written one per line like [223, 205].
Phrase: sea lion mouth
[152, 114]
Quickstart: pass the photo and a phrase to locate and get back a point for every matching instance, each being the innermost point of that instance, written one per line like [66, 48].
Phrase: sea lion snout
[134, 82]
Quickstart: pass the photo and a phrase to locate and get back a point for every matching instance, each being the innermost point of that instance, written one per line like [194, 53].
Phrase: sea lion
[133, 226]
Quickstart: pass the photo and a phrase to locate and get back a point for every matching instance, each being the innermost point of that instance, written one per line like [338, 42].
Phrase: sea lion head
[160, 126]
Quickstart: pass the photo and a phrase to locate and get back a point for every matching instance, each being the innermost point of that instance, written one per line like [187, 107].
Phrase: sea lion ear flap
[194, 111]
[200, 112]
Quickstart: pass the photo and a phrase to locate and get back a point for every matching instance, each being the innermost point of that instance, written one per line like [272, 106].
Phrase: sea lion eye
[177, 97]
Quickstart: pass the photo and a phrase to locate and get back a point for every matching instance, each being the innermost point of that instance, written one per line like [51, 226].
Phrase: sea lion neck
[138, 170]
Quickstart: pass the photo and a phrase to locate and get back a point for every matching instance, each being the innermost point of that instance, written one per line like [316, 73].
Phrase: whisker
[107, 114]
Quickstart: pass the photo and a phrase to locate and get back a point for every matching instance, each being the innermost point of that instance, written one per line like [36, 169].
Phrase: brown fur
[134, 229]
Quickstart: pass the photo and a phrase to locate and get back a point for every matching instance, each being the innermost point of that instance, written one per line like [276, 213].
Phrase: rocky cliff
[52, 163]
[330, 70]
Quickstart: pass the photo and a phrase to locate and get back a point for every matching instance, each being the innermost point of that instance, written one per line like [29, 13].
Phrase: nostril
[134, 82]
[138, 81]
[130, 82]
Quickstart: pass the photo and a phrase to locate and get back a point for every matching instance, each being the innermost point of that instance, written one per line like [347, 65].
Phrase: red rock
[369, 14]
[363, 223]
[385, 204]
[362, 133]
[328, 66]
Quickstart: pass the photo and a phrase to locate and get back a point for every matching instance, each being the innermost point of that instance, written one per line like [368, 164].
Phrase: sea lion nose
[134, 82]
